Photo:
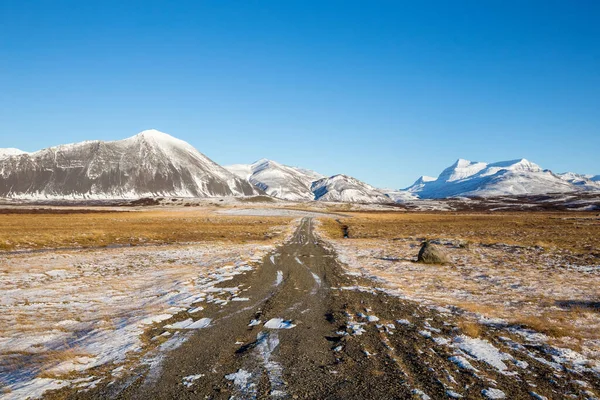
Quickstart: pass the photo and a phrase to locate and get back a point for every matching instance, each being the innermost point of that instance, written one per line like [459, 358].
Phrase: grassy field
[537, 270]
[50, 230]
[578, 232]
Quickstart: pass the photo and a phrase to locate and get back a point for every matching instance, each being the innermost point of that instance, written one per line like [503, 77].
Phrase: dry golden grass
[579, 232]
[35, 231]
[470, 328]
[542, 289]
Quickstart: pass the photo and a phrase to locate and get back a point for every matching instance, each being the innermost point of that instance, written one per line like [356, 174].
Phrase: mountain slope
[278, 180]
[343, 188]
[4, 153]
[585, 182]
[151, 163]
[516, 177]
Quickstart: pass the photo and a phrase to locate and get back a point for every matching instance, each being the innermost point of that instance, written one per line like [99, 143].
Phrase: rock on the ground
[432, 254]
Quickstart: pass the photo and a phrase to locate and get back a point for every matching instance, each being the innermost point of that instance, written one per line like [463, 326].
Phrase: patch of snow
[462, 363]
[189, 380]
[279, 323]
[279, 278]
[493, 393]
[483, 350]
[241, 380]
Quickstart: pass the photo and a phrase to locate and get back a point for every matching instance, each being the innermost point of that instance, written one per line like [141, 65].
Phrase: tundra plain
[99, 302]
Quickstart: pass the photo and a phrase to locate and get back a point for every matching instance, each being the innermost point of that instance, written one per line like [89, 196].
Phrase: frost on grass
[68, 311]
[553, 291]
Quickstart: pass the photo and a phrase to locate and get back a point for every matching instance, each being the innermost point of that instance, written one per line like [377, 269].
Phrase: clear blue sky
[381, 90]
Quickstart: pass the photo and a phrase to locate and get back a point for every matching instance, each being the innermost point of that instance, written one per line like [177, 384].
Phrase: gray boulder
[432, 254]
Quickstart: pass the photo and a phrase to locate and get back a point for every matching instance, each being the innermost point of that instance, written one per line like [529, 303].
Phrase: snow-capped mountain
[586, 182]
[297, 184]
[466, 178]
[10, 152]
[343, 188]
[278, 180]
[150, 163]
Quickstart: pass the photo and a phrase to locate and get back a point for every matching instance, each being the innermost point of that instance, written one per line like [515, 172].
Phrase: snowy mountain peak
[521, 164]
[344, 188]
[278, 180]
[154, 133]
[8, 152]
[461, 169]
[513, 177]
[155, 137]
[424, 179]
[151, 163]
[264, 163]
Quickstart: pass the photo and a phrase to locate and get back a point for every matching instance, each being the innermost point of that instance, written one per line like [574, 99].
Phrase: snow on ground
[500, 285]
[68, 311]
[279, 323]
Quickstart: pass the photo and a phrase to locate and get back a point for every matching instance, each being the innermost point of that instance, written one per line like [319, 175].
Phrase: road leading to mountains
[305, 329]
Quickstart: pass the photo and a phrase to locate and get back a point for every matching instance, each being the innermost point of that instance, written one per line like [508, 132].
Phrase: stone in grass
[432, 254]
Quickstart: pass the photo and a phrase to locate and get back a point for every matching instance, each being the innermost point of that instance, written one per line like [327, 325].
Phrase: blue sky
[381, 90]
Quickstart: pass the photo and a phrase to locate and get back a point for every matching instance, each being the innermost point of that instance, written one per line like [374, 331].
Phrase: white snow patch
[189, 380]
[421, 394]
[462, 363]
[34, 389]
[240, 379]
[190, 324]
[538, 396]
[279, 278]
[484, 351]
[316, 278]
[493, 393]
[279, 323]
[155, 318]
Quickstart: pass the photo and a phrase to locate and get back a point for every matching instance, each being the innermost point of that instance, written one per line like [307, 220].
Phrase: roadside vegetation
[80, 230]
[534, 270]
[578, 232]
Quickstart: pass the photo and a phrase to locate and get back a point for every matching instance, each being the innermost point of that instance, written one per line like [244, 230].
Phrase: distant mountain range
[516, 177]
[152, 164]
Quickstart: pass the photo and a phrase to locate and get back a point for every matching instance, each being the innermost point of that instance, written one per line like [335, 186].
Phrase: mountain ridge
[151, 163]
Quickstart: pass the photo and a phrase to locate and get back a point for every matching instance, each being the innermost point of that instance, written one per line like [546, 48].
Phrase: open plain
[254, 299]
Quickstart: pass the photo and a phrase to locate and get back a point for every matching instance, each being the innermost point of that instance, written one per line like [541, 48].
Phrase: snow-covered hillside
[10, 152]
[297, 184]
[278, 180]
[466, 178]
[343, 188]
[586, 182]
[150, 163]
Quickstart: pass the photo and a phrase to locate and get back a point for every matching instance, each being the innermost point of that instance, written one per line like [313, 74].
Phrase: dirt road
[305, 329]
